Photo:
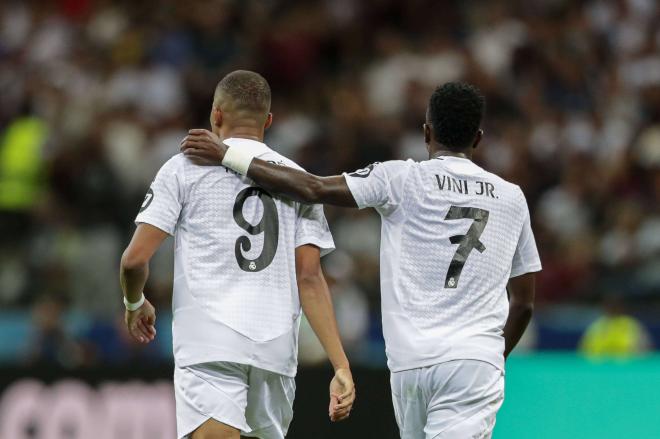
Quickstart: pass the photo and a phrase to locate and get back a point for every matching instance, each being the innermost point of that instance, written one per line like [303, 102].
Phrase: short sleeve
[312, 228]
[163, 202]
[379, 185]
[526, 258]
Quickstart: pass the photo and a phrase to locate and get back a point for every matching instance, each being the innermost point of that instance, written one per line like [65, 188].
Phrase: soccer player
[245, 262]
[454, 239]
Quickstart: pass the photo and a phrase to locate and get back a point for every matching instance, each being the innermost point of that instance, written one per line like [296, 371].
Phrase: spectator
[50, 342]
[615, 334]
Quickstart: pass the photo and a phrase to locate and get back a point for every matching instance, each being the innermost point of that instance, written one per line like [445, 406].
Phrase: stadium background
[96, 95]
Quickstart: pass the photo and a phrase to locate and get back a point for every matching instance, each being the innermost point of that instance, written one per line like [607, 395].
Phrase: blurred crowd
[97, 94]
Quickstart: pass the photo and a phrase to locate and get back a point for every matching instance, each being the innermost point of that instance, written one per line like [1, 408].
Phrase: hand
[203, 144]
[141, 323]
[342, 395]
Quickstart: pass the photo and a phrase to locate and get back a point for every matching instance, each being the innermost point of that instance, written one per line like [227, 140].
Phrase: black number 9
[269, 226]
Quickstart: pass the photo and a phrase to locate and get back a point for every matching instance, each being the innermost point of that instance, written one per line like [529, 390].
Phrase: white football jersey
[452, 235]
[235, 292]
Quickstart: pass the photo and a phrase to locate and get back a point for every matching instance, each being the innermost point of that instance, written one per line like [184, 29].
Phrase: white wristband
[238, 159]
[132, 306]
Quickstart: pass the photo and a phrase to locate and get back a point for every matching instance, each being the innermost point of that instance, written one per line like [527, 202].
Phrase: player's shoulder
[495, 178]
[390, 167]
[514, 190]
[175, 164]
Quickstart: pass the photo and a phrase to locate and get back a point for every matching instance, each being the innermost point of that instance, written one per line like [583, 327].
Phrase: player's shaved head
[243, 94]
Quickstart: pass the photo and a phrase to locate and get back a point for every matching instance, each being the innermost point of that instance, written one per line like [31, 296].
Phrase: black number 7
[465, 242]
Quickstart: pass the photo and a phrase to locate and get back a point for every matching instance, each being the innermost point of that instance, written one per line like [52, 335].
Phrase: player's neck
[251, 133]
[442, 151]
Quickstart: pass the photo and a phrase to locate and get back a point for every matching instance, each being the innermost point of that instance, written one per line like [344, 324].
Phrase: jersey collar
[462, 163]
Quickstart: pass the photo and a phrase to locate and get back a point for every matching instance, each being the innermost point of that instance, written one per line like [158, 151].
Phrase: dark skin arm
[294, 184]
[521, 307]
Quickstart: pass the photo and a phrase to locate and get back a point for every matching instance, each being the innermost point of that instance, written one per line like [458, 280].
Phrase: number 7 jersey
[235, 291]
[452, 236]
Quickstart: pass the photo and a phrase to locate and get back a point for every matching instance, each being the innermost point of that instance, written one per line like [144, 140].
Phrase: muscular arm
[521, 307]
[295, 184]
[301, 186]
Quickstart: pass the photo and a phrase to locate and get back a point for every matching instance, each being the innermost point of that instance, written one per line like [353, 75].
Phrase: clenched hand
[342, 395]
[141, 323]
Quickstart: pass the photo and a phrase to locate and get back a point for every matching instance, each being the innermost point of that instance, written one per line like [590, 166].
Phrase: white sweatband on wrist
[238, 159]
[132, 306]
[241, 152]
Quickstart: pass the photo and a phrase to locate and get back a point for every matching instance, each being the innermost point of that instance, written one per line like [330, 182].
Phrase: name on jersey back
[461, 186]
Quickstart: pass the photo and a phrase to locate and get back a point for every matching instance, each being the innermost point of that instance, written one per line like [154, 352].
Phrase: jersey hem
[534, 269]
[323, 245]
[353, 189]
[229, 358]
[491, 359]
[156, 224]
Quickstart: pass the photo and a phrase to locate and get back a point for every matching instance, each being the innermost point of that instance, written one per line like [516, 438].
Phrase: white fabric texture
[257, 402]
[452, 235]
[453, 400]
[235, 291]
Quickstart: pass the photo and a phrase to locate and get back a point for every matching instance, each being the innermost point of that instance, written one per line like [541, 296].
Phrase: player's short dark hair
[247, 90]
[455, 112]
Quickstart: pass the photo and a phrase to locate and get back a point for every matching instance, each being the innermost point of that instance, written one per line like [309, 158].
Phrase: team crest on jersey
[147, 200]
[364, 172]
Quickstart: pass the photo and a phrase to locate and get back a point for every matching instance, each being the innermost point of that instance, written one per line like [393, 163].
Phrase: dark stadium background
[96, 94]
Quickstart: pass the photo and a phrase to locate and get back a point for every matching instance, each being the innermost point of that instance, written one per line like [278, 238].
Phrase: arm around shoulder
[301, 186]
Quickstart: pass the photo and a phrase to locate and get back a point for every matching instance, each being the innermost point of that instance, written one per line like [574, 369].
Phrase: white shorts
[257, 402]
[452, 400]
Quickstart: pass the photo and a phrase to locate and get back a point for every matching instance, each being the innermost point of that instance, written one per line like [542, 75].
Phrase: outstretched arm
[295, 184]
[301, 186]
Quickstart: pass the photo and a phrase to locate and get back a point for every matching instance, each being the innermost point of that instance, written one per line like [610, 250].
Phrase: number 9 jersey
[452, 235]
[235, 291]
